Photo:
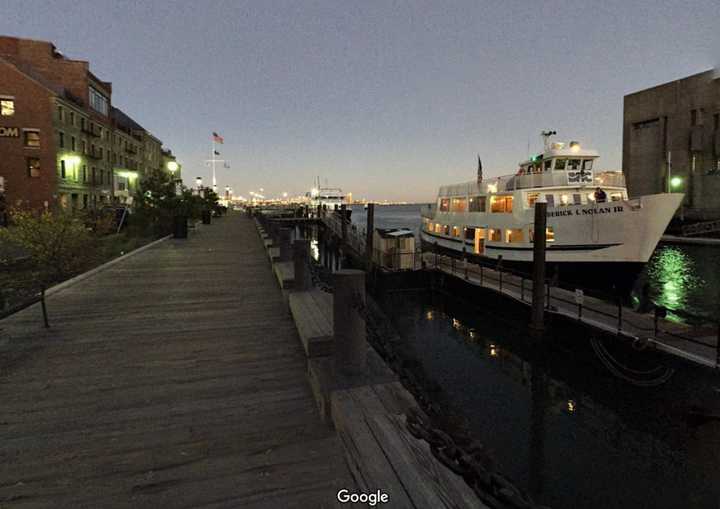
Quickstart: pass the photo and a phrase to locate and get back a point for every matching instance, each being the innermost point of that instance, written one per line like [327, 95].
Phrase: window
[32, 139]
[716, 121]
[587, 164]
[693, 117]
[33, 164]
[102, 177]
[513, 235]
[616, 197]
[62, 168]
[495, 234]
[476, 204]
[577, 199]
[84, 147]
[7, 107]
[550, 199]
[84, 173]
[549, 234]
[469, 233]
[444, 204]
[61, 114]
[564, 199]
[121, 186]
[83, 125]
[72, 118]
[438, 228]
[548, 165]
[93, 175]
[560, 164]
[61, 139]
[73, 145]
[446, 229]
[455, 231]
[458, 205]
[98, 102]
[573, 164]
[532, 198]
[501, 203]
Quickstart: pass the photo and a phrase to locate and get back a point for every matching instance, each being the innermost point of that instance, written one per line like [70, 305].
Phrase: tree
[58, 245]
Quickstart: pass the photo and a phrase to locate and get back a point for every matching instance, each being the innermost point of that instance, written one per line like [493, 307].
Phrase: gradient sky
[385, 99]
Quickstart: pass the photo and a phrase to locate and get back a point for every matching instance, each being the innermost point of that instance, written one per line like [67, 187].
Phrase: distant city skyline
[385, 100]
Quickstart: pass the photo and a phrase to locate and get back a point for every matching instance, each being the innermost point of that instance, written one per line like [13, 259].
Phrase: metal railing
[587, 305]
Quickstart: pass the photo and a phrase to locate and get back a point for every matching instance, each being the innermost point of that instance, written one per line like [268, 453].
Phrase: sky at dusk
[388, 100]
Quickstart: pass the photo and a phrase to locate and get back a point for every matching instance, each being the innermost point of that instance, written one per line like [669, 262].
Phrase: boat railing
[554, 179]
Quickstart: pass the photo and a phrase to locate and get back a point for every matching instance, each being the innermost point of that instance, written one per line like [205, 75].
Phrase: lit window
[446, 229]
[444, 204]
[456, 231]
[458, 205]
[7, 107]
[495, 234]
[549, 234]
[438, 228]
[32, 139]
[564, 199]
[33, 167]
[532, 198]
[514, 235]
[501, 203]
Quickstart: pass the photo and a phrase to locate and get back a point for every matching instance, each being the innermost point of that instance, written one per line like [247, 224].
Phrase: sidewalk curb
[70, 282]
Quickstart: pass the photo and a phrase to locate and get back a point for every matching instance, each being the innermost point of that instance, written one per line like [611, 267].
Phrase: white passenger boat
[493, 218]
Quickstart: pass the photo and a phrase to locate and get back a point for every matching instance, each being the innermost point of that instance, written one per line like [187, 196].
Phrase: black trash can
[206, 217]
[180, 227]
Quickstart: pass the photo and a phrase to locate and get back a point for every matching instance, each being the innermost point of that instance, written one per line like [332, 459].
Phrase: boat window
[587, 164]
[532, 198]
[455, 231]
[469, 233]
[501, 203]
[550, 199]
[577, 199]
[438, 228]
[564, 199]
[446, 229]
[548, 165]
[560, 164]
[573, 164]
[514, 235]
[458, 205]
[444, 204]
[616, 197]
[476, 204]
[495, 234]
[549, 234]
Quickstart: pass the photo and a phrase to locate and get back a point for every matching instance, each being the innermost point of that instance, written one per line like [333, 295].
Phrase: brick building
[61, 139]
[677, 122]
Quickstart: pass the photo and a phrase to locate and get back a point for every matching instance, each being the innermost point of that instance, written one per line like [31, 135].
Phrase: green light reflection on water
[672, 275]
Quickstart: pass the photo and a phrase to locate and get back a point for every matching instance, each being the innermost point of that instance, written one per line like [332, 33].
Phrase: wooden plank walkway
[172, 379]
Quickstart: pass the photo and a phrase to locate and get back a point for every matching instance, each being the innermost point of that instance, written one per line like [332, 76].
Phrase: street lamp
[172, 166]
[676, 182]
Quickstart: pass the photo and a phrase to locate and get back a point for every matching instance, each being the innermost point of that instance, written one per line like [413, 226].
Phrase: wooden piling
[349, 321]
[537, 324]
[369, 233]
[301, 255]
[285, 244]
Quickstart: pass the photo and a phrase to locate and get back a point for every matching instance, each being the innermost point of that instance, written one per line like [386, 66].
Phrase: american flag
[217, 138]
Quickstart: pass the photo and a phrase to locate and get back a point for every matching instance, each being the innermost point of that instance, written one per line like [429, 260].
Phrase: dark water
[681, 277]
[556, 420]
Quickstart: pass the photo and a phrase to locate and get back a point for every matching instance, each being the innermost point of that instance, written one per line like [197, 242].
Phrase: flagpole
[212, 158]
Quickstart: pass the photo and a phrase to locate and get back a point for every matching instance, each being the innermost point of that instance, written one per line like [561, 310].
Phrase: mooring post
[349, 321]
[369, 233]
[539, 244]
[343, 223]
[465, 262]
[301, 255]
[285, 244]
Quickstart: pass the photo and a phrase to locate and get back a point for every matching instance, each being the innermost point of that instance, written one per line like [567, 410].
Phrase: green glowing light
[676, 182]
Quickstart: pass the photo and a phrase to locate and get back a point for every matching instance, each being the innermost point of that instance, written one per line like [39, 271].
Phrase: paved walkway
[172, 379]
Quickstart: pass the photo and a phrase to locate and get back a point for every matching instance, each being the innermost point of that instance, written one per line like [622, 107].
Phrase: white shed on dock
[394, 248]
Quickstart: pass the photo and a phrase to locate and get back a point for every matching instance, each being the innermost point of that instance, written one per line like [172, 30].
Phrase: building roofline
[50, 87]
[712, 72]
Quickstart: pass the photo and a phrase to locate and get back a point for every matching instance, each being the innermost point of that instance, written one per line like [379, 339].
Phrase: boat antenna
[546, 138]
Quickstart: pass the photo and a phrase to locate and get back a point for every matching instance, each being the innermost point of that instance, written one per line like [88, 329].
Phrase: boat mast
[546, 139]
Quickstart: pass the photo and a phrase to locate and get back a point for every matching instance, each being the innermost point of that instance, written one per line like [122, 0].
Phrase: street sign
[579, 296]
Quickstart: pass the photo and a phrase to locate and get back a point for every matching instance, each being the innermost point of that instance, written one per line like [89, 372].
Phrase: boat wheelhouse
[590, 217]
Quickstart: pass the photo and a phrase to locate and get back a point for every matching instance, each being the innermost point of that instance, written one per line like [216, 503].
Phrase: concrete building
[61, 139]
[671, 140]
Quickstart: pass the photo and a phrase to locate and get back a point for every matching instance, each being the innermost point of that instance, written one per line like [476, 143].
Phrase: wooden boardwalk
[174, 378]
